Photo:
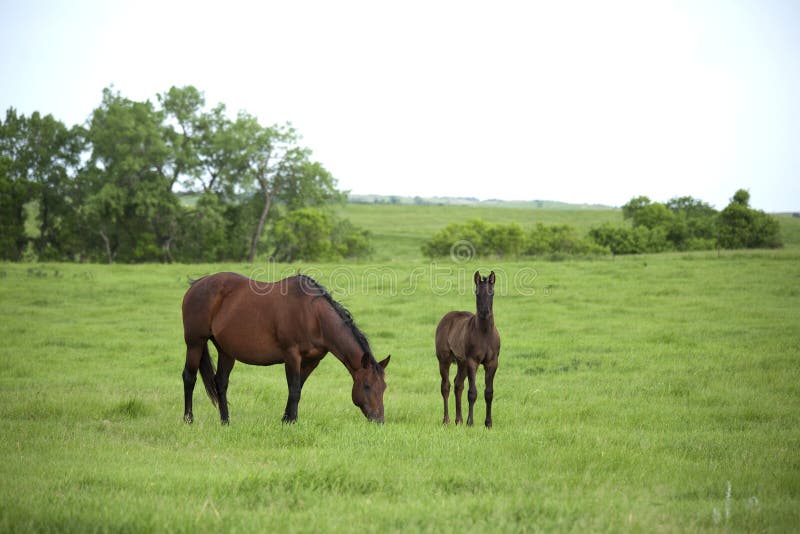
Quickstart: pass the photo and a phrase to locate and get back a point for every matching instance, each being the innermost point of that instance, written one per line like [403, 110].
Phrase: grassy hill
[399, 230]
[470, 201]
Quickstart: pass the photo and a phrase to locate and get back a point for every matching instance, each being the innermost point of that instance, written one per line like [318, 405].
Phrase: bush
[743, 227]
[312, 235]
[501, 240]
[350, 241]
[688, 224]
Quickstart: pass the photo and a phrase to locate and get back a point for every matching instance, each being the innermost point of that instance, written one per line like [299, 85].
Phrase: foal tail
[207, 372]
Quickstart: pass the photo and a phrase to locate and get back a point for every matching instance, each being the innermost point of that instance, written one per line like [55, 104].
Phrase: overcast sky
[591, 101]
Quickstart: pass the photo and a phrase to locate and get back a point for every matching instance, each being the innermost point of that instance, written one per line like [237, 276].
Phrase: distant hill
[471, 201]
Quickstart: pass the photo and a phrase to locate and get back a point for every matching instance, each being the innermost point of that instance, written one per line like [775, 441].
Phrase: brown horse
[469, 340]
[294, 322]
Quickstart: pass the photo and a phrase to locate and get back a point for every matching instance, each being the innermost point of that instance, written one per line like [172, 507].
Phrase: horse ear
[383, 363]
[491, 278]
[477, 277]
[365, 361]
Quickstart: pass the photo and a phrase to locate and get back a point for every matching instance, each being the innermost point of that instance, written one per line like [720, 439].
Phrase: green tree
[305, 234]
[129, 200]
[13, 196]
[41, 158]
[740, 226]
[350, 241]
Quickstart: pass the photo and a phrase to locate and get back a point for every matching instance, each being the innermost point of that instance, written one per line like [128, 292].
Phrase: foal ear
[383, 363]
[477, 277]
[491, 278]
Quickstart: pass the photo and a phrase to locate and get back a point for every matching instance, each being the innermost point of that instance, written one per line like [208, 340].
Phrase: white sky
[594, 101]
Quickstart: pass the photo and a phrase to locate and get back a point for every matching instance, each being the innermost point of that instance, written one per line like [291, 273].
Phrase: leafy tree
[350, 241]
[41, 159]
[743, 227]
[203, 231]
[651, 215]
[15, 188]
[122, 205]
[185, 125]
[303, 234]
[13, 196]
[129, 204]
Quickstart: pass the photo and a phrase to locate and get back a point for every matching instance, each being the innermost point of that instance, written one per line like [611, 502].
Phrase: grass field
[399, 231]
[648, 393]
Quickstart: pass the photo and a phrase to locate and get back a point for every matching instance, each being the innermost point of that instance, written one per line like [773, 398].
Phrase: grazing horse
[294, 322]
[469, 340]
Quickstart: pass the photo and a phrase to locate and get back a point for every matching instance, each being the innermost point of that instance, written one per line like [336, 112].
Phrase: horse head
[484, 294]
[368, 387]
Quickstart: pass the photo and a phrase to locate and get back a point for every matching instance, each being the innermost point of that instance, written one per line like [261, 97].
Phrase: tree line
[169, 180]
[681, 224]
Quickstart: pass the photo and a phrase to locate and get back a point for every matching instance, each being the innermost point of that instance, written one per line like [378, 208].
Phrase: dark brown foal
[469, 340]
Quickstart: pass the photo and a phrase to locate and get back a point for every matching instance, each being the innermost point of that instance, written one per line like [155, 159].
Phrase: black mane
[309, 286]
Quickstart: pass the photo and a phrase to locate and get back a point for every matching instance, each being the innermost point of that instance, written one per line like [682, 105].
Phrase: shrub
[311, 234]
[509, 240]
[743, 227]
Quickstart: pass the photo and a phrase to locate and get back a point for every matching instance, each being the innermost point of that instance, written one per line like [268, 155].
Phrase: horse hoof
[286, 420]
[225, 422]
[188, 419]
[488, 424]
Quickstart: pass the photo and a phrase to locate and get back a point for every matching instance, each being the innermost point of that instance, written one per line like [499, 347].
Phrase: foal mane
[309, 286]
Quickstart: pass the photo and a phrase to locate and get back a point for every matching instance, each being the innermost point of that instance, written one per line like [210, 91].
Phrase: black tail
[207, 371]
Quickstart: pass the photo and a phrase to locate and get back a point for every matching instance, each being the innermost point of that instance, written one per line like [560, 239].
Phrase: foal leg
[193, 353]
[461, 374]
[444, 370]
[472, 394]
[488, 394]
[224, 367]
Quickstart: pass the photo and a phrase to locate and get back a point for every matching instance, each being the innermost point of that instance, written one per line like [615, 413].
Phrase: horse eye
[367, 387]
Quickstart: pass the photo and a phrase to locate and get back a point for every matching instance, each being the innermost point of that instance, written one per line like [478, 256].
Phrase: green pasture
[398, 231]
[647, 393]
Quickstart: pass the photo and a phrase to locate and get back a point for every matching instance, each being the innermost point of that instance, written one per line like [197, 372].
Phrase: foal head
[484, 294]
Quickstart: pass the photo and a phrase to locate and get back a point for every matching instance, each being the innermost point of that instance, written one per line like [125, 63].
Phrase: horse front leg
[444, 370]
[295, 383]
[298, 369]
[225, 366]
[488, 393]
[472, 394]
[461, 374]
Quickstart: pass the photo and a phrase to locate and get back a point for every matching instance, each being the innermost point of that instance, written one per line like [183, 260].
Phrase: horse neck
[341, 341]
[484, 324]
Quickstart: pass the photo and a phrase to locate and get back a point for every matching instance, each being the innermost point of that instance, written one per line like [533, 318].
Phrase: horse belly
[252, 350]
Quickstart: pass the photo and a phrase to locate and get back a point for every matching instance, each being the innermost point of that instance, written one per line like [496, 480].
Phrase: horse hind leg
[193, 354]
[444, 370]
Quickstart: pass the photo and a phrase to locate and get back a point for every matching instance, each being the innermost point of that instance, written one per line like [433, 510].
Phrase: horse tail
[207, 372]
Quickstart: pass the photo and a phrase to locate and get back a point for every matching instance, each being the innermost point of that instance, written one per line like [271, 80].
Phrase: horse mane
[309, 286]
